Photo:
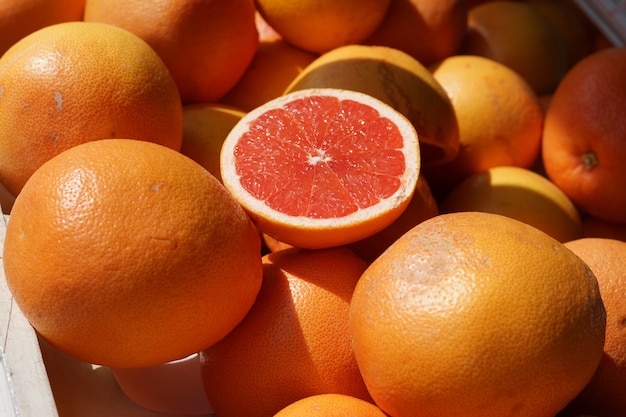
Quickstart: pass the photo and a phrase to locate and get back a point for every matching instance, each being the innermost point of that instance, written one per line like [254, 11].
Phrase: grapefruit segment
[322, 167]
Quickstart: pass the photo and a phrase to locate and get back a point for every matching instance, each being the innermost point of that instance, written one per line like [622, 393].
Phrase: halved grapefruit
[322, 167]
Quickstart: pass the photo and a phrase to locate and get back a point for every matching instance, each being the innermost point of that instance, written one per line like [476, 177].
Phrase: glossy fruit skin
[438, 318]
[275, 65]
[75, 82]
[573, 25]
[205, 126]
[19, 18]
[294, 342]
[583, 145]
[408, 23]
[319, 26]
[521, 37]
[207, 45]
[330, 405]
[126, 253]
[604, 394]
[499, 117]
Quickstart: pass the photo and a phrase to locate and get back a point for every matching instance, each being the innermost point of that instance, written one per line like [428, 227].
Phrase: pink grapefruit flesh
[322, 162]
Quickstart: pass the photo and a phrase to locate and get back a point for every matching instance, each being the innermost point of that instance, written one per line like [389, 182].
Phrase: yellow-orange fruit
[126, 253]
[294, 342]
[207, 45]
[321, 25]
[76, 82]
[476, 314]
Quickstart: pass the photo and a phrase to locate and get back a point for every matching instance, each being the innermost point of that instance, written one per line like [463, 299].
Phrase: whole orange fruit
[573, 25]
[583, 144]
[427, 30]
[521, 37]
[19, 18]
[476, 314]
[207, 45]
[321, 25]
[76, 82]
[294, 342]
[127, 253]
[274, 66]
[174, 387]
[499, 116]
[330, 405]
[604, 395]
[521, 194]
[205, 126]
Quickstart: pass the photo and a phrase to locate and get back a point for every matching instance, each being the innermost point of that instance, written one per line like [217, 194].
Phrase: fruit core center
[320, 156]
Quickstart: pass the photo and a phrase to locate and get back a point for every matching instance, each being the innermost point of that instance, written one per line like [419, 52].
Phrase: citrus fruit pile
[402, 208]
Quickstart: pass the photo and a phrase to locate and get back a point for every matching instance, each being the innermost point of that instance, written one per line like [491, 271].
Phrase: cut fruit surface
[398, 79]
[322, 167]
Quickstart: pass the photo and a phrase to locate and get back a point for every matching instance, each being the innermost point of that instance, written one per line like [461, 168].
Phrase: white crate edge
[24, 386]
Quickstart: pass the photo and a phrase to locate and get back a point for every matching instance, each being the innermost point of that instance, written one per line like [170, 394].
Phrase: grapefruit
[75, 82]
[295, 340]
[476, 314]
[126, 253]
[322, 167]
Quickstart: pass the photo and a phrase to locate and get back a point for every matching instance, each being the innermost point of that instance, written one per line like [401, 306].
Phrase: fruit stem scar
[590, 160]
[320, 156]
